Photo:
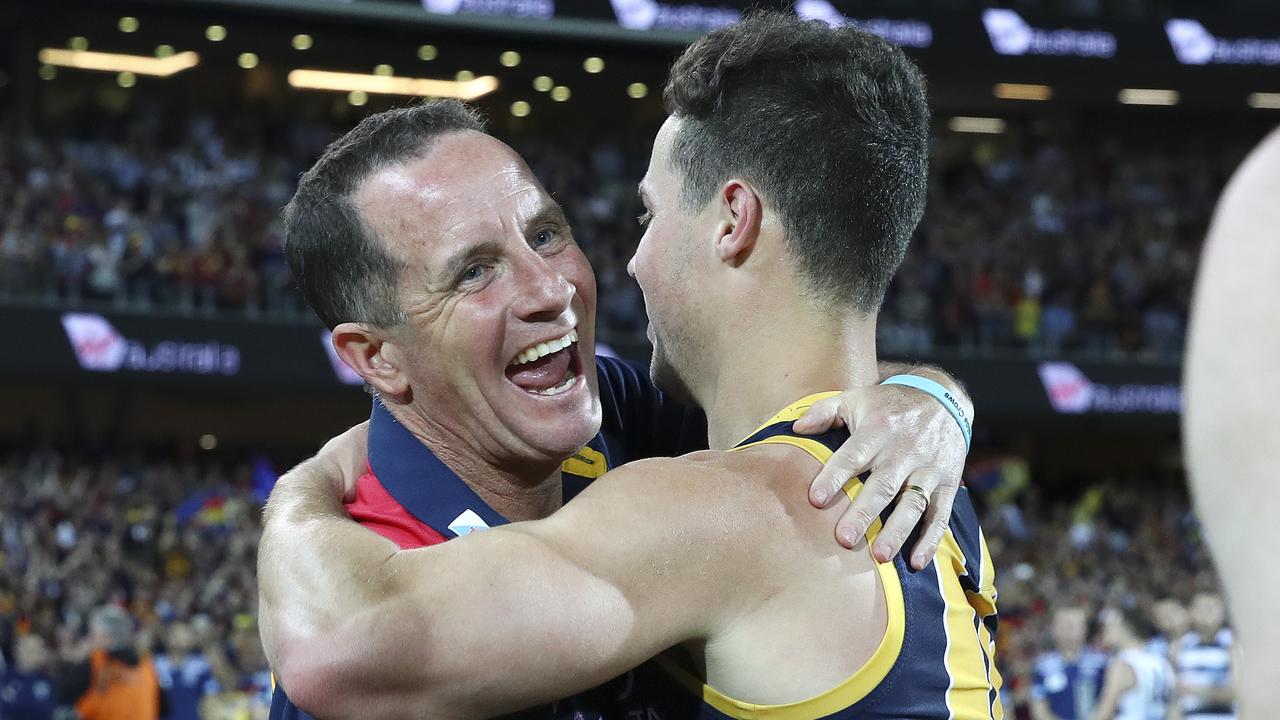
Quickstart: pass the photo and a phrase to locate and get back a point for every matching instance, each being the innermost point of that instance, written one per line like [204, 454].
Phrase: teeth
[545, 348]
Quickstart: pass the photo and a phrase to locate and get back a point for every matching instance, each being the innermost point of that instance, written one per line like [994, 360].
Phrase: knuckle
[927, 479]
[883, 492]
[851, 457]
[857, 519]
[917, 504]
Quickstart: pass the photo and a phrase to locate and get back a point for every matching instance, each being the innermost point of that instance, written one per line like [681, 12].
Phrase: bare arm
[1119, 680]
[1230, 422]
[499, 620]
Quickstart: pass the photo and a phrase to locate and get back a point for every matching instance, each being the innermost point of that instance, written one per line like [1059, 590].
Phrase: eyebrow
[458, 261]
[549, 214]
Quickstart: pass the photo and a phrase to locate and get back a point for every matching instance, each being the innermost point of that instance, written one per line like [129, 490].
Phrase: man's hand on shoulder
[915, 451]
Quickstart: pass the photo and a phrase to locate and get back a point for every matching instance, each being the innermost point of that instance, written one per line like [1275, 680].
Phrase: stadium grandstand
[162, 369]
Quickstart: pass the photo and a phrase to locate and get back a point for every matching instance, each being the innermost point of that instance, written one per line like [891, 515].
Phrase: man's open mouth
[547, 368]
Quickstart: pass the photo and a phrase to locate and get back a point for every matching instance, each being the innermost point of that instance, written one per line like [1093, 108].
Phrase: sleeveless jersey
[936, 659]
[1153, 688]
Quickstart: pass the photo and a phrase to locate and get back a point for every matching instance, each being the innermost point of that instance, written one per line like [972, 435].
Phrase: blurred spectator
[115, 682]
[28, 688]
[171, 542]
[1171, 624]
[1139, 683]
[1068, 678]
[184, 673]
[1204, 662]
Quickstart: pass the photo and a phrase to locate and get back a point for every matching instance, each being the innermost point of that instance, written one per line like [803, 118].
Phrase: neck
[779, 355]
[517, 490]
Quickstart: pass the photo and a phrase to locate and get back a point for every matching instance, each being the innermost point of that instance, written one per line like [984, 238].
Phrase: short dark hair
[345, 272]
[831, 123]
[1138, 619]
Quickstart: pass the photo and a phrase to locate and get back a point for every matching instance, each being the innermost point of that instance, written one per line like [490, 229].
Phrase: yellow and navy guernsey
[936, 659]
[412, 498]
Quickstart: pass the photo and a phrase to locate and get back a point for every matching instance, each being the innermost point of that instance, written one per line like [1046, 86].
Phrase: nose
[543, 293]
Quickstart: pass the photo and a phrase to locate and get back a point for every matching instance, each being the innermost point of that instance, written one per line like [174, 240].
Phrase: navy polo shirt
[412, 498]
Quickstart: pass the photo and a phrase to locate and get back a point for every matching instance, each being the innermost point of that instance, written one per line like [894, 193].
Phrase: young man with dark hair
[1139, 683]
[711, 555]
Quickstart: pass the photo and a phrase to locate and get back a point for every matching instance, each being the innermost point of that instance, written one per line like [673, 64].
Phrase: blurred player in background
[28, 688]
[1139, 683]
[1066, 681]
[1171, 624]
[185, 674]
[1231, 428]
[1205, 684]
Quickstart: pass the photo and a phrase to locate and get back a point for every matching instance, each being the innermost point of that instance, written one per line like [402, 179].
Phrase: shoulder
[1122, 673]
[1095, 659]
[1047, 661]
[665, 481]
[712, 500]
[712, 481]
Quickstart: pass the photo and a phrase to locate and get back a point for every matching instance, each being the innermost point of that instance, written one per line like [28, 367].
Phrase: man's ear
[740, 210]
[365, 349]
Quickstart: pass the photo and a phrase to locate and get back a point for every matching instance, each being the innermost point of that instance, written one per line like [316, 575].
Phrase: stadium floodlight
[1148, 96]
[1020, 91]
[390, 85]
[1264, 100]
[982, 125]
[118, 63]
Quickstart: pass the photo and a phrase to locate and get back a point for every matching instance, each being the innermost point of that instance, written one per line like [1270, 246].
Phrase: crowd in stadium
[172, 544]
[82, 531]
[1031, 241]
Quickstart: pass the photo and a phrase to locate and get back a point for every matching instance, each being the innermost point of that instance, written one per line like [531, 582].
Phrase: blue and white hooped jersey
[1203, 663]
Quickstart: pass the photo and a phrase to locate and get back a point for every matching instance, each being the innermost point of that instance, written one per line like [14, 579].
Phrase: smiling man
[714, 553]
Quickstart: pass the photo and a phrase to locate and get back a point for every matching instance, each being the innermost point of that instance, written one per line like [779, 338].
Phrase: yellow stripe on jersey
[873, 671]
[970, 693]
[587, 463]
[986, 599]
[994, 678]
[796, 409]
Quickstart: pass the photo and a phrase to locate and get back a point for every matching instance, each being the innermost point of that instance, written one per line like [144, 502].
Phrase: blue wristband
[942, 395]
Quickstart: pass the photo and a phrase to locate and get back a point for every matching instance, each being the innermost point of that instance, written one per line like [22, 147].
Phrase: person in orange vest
[116, 682]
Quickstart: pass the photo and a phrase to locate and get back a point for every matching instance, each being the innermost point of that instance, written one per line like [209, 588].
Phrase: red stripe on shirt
[375, 509]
